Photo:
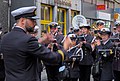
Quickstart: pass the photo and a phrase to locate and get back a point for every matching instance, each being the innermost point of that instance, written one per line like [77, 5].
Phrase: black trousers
[116, 75]
[68, 79]
[2, 79]
[85, 72]
[103, 80]
[2, 70]
[107, 80]
[52, 72]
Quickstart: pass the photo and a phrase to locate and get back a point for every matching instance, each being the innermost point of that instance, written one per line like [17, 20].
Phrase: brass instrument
[78, 21]
[94, 26]
[96, 31]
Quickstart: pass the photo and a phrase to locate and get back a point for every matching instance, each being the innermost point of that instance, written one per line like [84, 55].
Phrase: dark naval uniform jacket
[106, 61]
[87, 50]
[59, 38]
[116, 63]
[20, 52]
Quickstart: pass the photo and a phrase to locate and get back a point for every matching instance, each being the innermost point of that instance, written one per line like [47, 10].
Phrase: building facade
[4, 15]
[61, 11]
[98, 10]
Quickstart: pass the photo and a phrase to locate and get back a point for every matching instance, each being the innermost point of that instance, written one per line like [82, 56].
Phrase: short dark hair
[71, 28]
[100, 23]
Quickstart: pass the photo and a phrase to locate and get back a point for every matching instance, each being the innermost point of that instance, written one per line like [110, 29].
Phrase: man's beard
[29, 29]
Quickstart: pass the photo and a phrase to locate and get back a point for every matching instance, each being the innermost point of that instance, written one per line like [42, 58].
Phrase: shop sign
[117, 10]
[103, 15]
[63, 2]
[116, 15]
[101, 7]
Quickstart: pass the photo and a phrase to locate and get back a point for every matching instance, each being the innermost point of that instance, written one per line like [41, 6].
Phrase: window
[45, 12]
[111, 4]
[89, 1]
[94, 1]
[46, 16]
[73, 13]
[100, 1]
[61, 18]
[42, 14]
[44, 27]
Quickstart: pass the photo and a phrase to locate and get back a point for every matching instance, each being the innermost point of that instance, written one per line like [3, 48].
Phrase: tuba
[78, 20]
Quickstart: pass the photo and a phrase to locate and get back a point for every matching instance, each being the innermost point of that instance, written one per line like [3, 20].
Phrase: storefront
[89, 11]
[46, 16]
[97, 12]
[60, 11]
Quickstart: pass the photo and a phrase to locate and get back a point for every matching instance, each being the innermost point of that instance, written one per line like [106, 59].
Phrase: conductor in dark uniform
[21, 50]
